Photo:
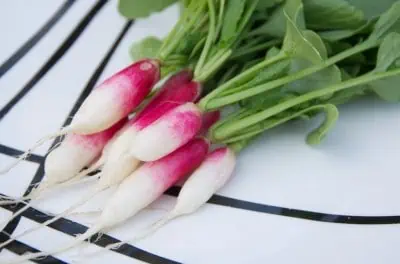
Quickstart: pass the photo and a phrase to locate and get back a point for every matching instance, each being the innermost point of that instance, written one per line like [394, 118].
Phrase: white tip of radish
[148, 182]
[212, 174]
[118, 164]
[115, 171]
[116, 97]
[169, 132]
[67, 160]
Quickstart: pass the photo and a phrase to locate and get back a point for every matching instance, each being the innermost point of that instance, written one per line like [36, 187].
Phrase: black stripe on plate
[296, 213]
[31, 42]
[65, 46]
[72, 228]
[20, 248]
[9, 151]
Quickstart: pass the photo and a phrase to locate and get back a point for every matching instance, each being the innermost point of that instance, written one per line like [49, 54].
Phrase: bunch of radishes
[144, 154]
[219, 53]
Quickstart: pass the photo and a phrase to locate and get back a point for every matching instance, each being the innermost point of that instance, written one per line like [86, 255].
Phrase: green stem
[228, 74]
[239, 145]
[212, 68]
[256, 48]
[174, 38]
[242, 78]
[231, 129]
[209, 102]
[220, 16]
[209, 40]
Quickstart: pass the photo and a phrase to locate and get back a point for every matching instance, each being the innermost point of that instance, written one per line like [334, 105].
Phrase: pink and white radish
[140, 189]
[108, 103]
[118, 165]
[169, 132]
[177, 90]
[73, 154]
[115, 98]
[205, 181]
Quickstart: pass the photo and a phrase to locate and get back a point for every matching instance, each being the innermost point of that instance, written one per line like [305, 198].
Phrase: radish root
[78, 240]
[40, 142]
[55, 218]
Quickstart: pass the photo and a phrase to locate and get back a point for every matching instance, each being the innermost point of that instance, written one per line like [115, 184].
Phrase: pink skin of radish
[206, 180]
[117, 164]
[209, 119]
[213, 173]
[116, 97]
[65, 162]
[140, 189]
[176, 91]
[169, 132]
[111, 101]
[76, 152]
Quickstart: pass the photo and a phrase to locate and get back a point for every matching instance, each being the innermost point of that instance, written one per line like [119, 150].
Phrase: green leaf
[146, 48]
[341, 34]
[318, 80]
[387, 23]
[296, 43]
[234, 10]
[332, 14]
[276, 24]
[347, 95]
[389, 52]
[339, 46]
[372, 8]
[387, 89]
[388, 58]
[266, 4]
[331, 116]
[315, 137]
[188, 45]
[310, 50]
[133, 9]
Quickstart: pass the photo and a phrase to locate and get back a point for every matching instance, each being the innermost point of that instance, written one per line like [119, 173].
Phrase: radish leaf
[387, 23]
[133, 9]
[146, 48]
[234, 10]
[331, 116]
[332, 14]
[388, 58]
[372, 8]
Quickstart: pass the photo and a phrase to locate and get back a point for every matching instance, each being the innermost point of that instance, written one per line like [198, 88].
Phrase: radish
[212, 174]
[74, 153]
[169, 132]
[108, 103]
[115, 98]
[140, 189]
[118, 164]
[209, 119]
[176, 90]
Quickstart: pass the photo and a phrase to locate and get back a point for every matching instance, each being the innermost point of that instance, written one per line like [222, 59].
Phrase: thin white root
[38, 191]
[97, 165]
[55, 218]
[147, 232]
[88, 213]
[78, 240]
[40, 142]
[12, 200]
[23, 209]
[77, 180]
